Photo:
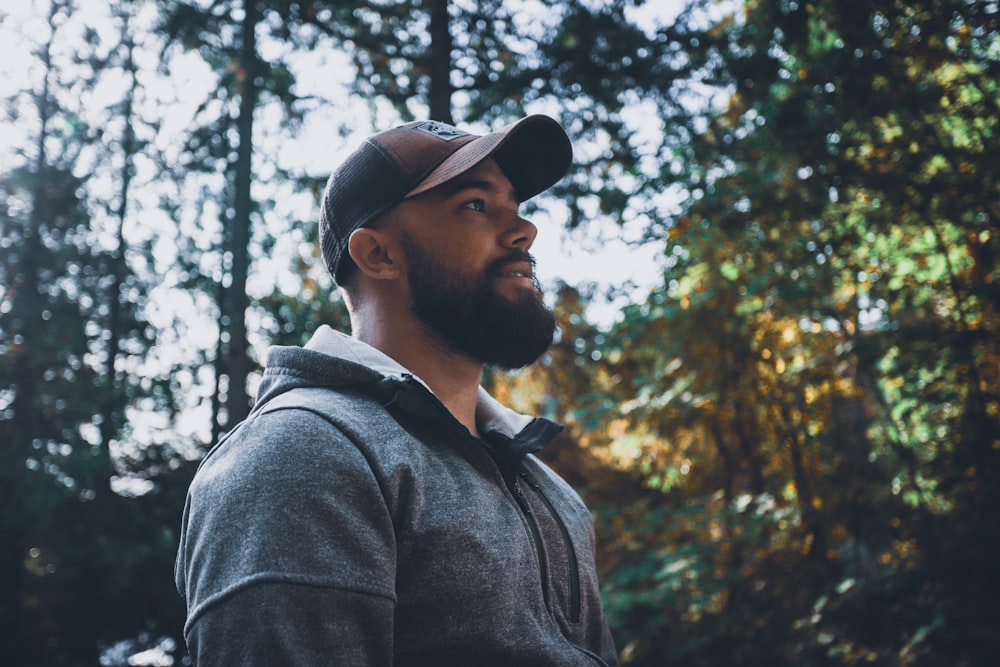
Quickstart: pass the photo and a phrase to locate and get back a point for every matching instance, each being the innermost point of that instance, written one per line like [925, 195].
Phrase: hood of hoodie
[335, 360]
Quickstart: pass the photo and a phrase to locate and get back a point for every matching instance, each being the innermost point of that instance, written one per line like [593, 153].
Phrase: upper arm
[285, 624]
[287, 512]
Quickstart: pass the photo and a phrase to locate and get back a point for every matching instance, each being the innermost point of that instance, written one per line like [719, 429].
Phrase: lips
[517, 270]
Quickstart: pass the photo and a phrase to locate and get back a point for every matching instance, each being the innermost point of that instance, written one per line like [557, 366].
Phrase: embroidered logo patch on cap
[440, 130]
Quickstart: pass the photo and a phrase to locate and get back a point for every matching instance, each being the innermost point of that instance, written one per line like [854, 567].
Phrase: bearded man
[378, 507]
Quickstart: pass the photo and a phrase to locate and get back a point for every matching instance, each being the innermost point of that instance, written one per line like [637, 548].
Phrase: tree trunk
[110, 419]
[811, 519]
[439, 65]
[238, 403]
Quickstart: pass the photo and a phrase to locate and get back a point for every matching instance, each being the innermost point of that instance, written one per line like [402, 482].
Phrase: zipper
[510, 481]
[574, 570]
[536, 536]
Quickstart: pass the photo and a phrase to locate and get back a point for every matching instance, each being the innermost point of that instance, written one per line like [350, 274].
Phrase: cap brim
[534, 153]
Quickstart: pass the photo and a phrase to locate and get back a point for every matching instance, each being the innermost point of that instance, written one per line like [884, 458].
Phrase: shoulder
[308, 420]
[272, 499]
[304, 445]
[294, 444]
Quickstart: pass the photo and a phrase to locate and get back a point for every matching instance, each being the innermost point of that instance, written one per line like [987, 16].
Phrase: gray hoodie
[352, 520]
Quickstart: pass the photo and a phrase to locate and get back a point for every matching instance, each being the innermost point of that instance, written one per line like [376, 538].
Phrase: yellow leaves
[681, 225]
[903, 549]
[617, 428]
[715, 531]
[729, 270]
[790, 493]
[693, 282]
[956, 73]
[937, 165]
[889, 128]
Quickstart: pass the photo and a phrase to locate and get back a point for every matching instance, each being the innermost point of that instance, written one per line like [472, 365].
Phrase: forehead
[485, 176]
[485, 180]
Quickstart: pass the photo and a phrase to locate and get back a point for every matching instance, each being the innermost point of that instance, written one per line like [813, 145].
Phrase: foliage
[72, 334]
[814, 391]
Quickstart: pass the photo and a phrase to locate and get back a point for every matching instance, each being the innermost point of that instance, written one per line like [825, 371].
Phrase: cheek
[469, 254]
[464, 250]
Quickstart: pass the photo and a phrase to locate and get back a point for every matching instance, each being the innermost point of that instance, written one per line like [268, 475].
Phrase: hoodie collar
[336, 344]
[491, 415]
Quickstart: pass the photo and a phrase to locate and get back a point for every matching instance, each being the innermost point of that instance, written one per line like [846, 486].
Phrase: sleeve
[287, 551]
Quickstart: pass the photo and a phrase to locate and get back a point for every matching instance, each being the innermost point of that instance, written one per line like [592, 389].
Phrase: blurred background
[775, 266]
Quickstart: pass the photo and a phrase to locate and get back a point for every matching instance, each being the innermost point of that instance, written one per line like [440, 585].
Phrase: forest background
[789, 436]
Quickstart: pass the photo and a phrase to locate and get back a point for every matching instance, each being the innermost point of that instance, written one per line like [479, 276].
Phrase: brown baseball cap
[534, 153]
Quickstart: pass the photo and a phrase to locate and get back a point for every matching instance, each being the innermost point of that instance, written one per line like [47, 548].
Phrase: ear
[375, 253]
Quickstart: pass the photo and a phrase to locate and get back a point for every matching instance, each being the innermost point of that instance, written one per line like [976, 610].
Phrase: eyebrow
[459, 184]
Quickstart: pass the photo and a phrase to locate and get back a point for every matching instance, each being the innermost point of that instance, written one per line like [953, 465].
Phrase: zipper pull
[519, 492]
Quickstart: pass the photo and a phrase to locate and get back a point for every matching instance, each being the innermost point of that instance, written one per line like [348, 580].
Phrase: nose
[521, 234]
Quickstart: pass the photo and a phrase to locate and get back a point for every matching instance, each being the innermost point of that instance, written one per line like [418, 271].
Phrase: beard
[472, 317]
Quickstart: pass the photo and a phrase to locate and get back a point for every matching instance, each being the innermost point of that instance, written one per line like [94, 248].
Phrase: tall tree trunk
[110, 420]
[238, 403]
[439, 65]
[748, 444]
[811, 519]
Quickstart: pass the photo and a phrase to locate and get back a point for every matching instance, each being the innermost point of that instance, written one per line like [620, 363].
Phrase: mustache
[512, 257]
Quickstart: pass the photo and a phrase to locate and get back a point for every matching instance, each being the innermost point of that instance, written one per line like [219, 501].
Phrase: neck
[454, 378]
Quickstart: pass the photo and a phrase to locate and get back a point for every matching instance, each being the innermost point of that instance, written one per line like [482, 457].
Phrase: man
[378, 507]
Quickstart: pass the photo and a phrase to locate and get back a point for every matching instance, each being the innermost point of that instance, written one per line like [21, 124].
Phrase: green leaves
[820, 340]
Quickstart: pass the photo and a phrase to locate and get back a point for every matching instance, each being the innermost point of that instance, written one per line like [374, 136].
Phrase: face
[471, 278]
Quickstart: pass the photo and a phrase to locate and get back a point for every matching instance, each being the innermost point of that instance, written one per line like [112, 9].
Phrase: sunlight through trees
[790, 441]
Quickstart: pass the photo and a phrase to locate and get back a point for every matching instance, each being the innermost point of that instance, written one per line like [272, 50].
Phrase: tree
[76, 554]
[41, 205]
[813, 381]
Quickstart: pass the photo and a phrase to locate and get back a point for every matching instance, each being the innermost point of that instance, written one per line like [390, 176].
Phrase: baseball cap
[395, 164]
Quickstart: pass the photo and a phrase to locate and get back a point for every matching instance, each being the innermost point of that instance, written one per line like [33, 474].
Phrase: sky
[606, 255]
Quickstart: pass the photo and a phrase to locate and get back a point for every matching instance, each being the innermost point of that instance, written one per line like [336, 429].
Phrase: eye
[476, 205]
